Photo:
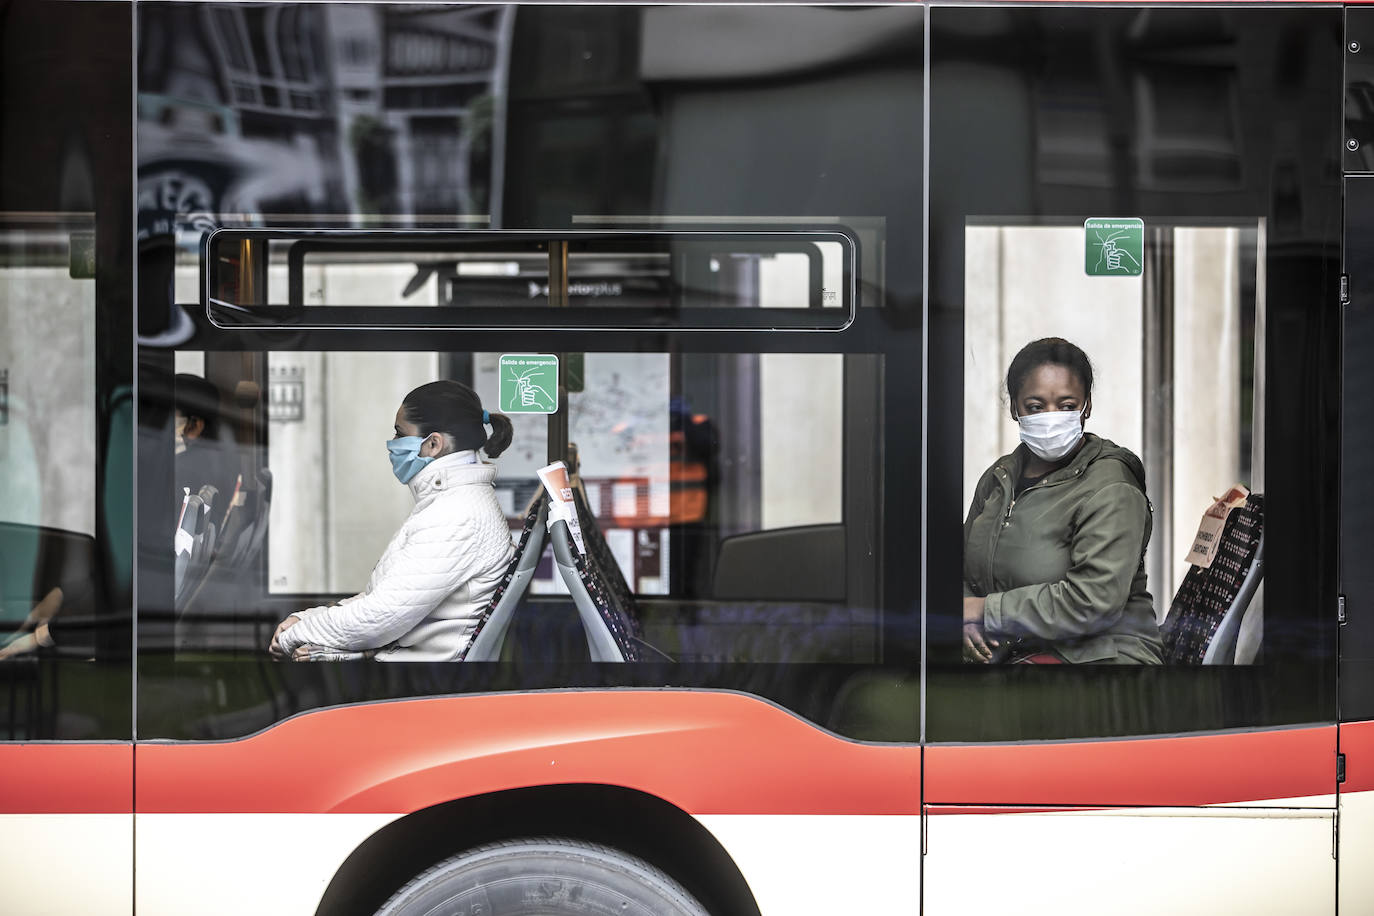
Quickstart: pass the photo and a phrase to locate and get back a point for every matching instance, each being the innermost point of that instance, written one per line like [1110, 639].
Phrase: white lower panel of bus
[825, 864]
[66, 863]
[243, 863]
[1357, 852]
[1143, 861]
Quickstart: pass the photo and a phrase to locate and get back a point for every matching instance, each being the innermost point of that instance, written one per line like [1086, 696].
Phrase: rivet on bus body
[1352, 144]
[1354, 47]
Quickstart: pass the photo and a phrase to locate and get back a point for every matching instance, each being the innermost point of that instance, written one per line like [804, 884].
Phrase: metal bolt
[1352, 144]
[1354, 47]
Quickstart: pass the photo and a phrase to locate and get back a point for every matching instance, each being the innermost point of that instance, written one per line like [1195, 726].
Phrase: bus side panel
[1292, 767]
[1146, 861]
[781, 795]
[1357, 818]
[1241, 818]
[705, 752]
[829, 864]
[66, 828]
[284, 861]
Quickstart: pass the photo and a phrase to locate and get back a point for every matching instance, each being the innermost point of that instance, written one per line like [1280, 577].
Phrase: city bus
[753, 274]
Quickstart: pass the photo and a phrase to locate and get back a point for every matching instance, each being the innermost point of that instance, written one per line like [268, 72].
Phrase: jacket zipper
[1005, 480]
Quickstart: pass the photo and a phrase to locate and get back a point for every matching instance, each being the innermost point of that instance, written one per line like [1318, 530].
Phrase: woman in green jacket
[1054, 543]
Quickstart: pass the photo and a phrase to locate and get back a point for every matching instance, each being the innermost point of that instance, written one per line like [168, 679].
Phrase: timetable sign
[1113, 247]
[529, 383]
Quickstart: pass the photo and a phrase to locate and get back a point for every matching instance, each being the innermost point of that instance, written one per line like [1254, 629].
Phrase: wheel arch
[635, 822]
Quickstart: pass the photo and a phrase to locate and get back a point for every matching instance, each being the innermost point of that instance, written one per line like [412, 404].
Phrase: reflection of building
[345, 109]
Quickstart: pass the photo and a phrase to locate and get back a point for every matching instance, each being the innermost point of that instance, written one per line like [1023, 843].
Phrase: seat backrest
[608, 621]
[600, 551]
[1205, 616]
[192, 564]
[806, 563]
[249, 543]
[489, 636]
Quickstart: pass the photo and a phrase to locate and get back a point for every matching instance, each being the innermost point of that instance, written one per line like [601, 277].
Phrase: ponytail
[502, 432]
[454, 409]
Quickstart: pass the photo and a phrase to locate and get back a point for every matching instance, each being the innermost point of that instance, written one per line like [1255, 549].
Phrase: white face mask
[1051, 434]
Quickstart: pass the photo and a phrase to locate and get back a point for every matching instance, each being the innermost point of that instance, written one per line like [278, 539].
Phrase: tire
[542, 876]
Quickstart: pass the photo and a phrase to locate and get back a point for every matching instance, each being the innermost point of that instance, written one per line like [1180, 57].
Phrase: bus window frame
[225, 315]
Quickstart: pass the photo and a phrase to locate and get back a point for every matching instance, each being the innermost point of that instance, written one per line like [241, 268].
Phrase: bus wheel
[543, 876]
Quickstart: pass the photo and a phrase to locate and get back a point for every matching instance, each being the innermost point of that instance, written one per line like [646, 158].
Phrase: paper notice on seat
[561, 506]
[1208, 539]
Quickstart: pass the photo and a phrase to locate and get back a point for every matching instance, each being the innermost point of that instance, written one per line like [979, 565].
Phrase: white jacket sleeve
[413, 577]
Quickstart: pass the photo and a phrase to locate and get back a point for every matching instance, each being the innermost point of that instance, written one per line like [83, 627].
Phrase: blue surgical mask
[406, 461]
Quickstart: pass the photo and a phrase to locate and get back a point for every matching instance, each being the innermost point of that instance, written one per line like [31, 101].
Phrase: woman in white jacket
[434, 581]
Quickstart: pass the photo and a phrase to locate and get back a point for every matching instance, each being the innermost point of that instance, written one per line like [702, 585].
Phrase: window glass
[709, 478]
[47, 372]
[743, 475]
[1195, 328]
[1116, 204]
[698, 279]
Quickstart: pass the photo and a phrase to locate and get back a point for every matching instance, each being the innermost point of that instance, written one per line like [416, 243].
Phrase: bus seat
[1205, 617]
[195, 541]
[253, 534]
[805, 563]
[606, 623]
[489, 636]
[598, 548]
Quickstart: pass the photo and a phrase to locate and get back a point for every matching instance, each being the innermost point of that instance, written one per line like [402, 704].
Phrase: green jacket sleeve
[1104, 557]
[975, 509]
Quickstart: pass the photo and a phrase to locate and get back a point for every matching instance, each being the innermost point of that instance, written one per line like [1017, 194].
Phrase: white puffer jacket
[435, 578]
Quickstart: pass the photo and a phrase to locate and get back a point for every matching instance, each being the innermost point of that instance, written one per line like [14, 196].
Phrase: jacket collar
[1014, 463]
[456, 470]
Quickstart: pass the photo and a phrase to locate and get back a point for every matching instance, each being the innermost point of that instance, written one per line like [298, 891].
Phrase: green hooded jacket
[1063, 565]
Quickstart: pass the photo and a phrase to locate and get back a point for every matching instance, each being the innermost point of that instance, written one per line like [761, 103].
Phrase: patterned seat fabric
[605, 561]
[1207, 594]
[606, 586]
[531, 517]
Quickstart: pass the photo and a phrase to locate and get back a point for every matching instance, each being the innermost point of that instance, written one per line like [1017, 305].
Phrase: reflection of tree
[474, 147]
[371, 143]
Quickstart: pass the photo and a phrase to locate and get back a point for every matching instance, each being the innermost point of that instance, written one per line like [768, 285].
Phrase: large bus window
[741, 354]
[1117, 205]
[1173, 356]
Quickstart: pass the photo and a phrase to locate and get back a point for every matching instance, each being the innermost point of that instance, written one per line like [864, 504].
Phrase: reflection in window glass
[47, 377]
[47, 411]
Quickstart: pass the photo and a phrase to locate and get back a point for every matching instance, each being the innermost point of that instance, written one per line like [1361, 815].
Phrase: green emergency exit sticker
[529, 383]
[1113, 247]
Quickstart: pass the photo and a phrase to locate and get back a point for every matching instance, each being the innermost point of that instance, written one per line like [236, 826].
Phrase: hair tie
[486, 418]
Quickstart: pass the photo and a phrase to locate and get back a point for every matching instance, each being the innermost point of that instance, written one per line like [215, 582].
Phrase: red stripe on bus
[66, 778]
[1183, 771]
[1357, 744]
[707, 753]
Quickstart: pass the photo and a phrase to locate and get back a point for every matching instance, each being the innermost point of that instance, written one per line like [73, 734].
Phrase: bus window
[1149, 550]
[688, 279]
[715, 480]
[60, 576]
[1173, 383]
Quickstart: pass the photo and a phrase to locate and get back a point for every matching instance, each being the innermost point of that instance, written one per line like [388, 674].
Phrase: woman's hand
[274, 647]
[978, 645]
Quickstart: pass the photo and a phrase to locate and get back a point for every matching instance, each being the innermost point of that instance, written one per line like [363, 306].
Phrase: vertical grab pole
[1157, 376]
[558, 299]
